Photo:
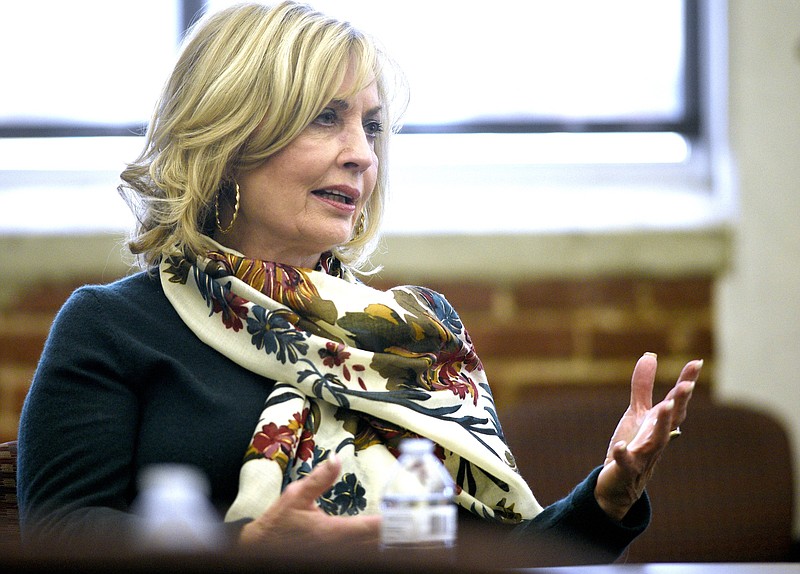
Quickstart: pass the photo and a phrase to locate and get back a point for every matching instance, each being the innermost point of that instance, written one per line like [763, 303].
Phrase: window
[567, 66]
[515, 97]
[89, 67]
[539, 66]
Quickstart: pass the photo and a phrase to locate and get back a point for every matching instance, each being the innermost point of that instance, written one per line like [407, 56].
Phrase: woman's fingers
[358, 530]
[663, 419]
[296, 516]
[664, 422]
[327, 529]
[642, 380]
[691, 371]
[681, 393]
[306, 491]
[642, 435]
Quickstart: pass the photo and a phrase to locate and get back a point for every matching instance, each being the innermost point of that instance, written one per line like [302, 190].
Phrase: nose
[357, 151]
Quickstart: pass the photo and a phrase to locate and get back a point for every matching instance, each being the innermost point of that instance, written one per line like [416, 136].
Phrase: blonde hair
[249, 79]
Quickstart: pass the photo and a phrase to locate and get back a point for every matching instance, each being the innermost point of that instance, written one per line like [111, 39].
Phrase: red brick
[466, 296]
[510, 341]
[21, 347]
[18, 394]
[561, 394]
[694, 292]
[7, 435]
[630, 343]
[48, 297]
[576, 293]
[463, 296]
[701, 343]
[617, 392]
[42, 298]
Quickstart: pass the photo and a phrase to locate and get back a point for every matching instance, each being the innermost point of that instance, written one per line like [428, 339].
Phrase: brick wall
[536, 338]
[25, 320]
[577, 335]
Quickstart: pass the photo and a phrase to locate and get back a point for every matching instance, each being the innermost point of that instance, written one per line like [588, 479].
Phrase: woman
[249, 349]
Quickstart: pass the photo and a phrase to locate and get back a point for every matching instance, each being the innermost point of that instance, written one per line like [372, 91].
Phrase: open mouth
[333, 195]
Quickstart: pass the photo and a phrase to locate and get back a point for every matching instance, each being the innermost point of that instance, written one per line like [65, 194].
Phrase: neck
[286, 257]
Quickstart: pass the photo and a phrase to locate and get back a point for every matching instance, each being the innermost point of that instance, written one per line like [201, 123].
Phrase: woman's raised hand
[295, 520]
[641, 436]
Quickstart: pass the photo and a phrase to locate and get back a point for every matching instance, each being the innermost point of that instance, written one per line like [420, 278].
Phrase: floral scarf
[356, 370]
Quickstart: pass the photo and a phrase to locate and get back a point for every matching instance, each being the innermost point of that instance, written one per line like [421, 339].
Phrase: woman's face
[306, 198]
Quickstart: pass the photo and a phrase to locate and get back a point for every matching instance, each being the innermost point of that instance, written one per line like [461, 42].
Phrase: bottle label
[419, 526]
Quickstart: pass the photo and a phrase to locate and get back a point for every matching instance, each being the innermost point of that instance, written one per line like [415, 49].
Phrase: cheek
[370, 181]
[371, 175]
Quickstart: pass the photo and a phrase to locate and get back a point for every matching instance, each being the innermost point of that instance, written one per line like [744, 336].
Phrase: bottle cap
[416, 446]
[184, 477]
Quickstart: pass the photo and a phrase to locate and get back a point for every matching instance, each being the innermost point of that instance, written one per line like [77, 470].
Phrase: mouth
[345, 197]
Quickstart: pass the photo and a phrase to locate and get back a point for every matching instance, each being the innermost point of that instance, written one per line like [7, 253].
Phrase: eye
[373, 127]
[327, 117]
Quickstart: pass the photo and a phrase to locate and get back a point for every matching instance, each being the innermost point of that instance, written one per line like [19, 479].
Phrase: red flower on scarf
[284, 283]
[234, 311]
[305, 449]
[334, 354]
[451, 372]
[299, 419]
[272, 440]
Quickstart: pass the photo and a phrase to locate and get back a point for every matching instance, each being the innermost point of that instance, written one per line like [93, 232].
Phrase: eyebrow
[344, 105]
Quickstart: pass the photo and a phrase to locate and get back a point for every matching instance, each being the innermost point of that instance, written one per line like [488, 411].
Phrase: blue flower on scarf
[273, 331]
[210, 290]
[443, 310]
[346, 497]
[320, 455]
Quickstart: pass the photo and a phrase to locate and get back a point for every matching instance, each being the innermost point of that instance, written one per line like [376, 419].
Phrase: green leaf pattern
[380, 366]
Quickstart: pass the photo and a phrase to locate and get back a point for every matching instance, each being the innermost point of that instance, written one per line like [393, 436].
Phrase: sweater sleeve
[78, 431]
[583, 532]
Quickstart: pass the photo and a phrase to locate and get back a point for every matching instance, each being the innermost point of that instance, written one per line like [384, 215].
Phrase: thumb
[642, 381]
[318, 481]
[620, 454]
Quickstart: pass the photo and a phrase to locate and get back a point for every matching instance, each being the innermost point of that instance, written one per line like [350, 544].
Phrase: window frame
[190, 10]
[702, 186]
[690, 125]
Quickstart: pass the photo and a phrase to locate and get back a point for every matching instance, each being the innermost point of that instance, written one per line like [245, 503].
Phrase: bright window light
[568, 114]
[85, 62]
[572, 63]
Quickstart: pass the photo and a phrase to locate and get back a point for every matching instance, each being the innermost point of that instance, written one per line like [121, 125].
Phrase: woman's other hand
[641, 436]
[295, 519]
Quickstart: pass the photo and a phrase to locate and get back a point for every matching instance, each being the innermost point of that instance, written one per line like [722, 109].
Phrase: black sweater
[123, 383]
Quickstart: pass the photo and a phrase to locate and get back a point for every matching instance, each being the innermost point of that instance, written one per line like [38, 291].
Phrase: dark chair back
[9, 512]
[722, 492]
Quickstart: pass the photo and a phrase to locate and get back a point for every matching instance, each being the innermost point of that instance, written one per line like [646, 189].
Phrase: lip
[352, 193]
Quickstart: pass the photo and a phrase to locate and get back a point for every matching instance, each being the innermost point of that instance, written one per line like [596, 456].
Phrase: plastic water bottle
[176, 514]
[417, 506]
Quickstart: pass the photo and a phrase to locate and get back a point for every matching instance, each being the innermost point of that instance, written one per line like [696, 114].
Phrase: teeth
[334, 196]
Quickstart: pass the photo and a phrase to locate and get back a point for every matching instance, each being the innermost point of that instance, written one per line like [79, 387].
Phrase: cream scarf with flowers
[356, 371]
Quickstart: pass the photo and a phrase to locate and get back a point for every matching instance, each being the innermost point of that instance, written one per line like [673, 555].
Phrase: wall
[758, 309]
[532, 335]
[730, 295]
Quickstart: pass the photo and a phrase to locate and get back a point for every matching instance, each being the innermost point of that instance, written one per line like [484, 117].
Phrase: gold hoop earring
[235, 212]
[359, 230]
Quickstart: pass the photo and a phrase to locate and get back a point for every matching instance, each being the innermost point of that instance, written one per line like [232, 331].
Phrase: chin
[335, 238]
